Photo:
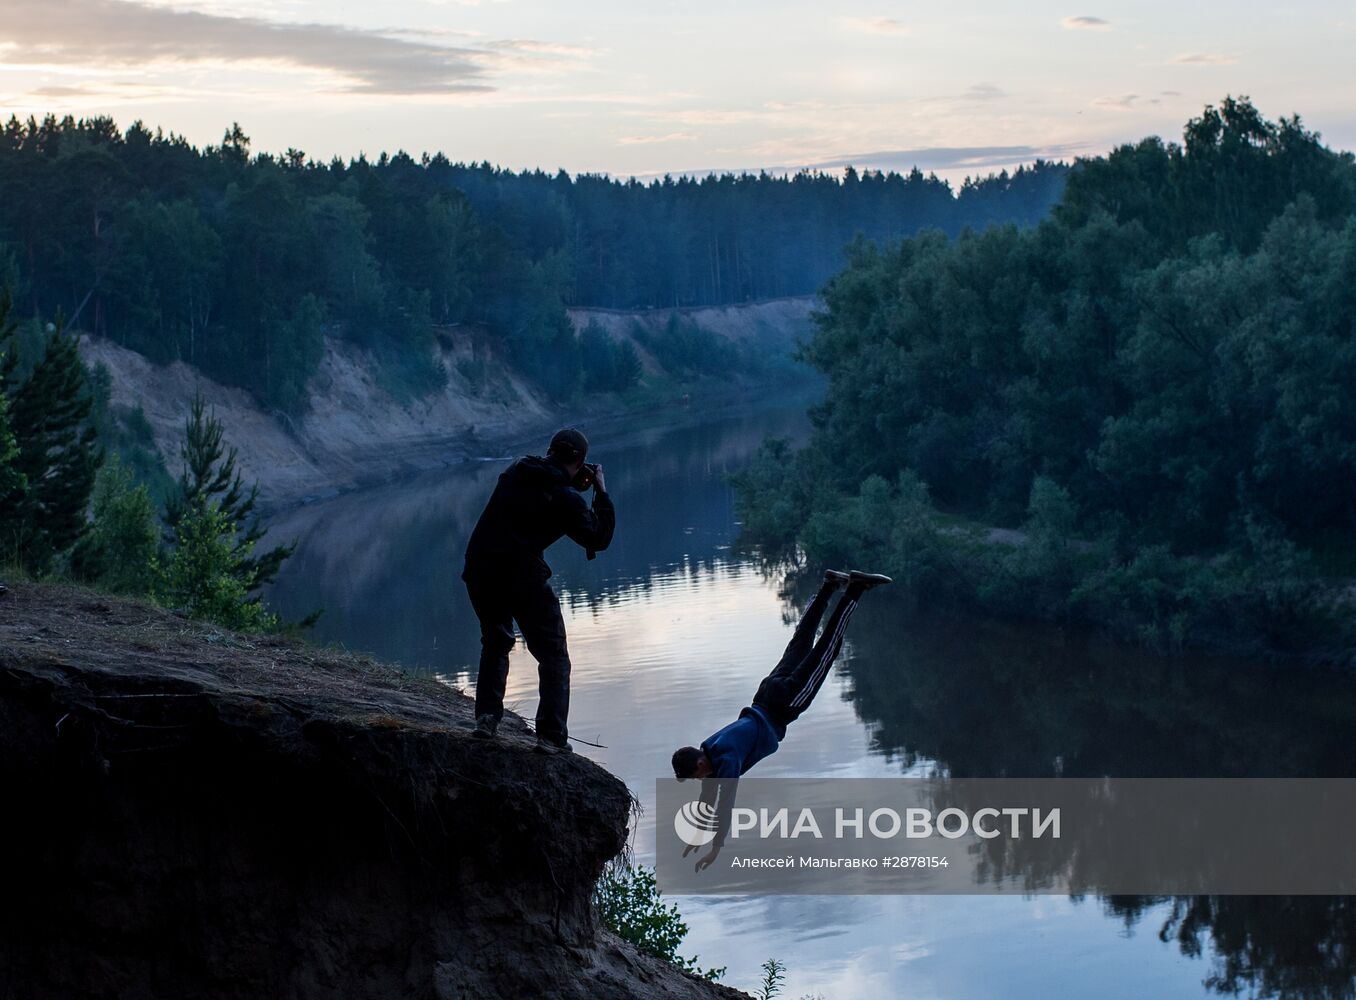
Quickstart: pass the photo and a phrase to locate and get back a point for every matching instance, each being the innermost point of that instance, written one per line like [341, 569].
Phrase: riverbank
[356, 433]
[1265, 600]
[195, 812]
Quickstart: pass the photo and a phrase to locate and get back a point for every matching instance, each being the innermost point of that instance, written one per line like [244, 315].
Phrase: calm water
[670, 631]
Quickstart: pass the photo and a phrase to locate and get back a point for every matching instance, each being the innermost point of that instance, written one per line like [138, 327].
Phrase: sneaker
[836, 577]
[551, 747]
[485, 727]
[868, 580]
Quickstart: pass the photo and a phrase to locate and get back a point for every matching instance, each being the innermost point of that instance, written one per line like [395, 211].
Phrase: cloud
[649, 140]
[125, 33]
[113, 91]
[1123, 103]
[1086, 23]
[984, 92]
[811, 105]
[875, 25]
[535, 46]
[949, 157]
[63, 92]
[1205, 59]
[457, 33]
[935, 158]
[1128, 102]
[711, 116]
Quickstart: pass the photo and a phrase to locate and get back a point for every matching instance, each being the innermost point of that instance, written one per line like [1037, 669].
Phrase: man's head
[690, 762]
[568, 447]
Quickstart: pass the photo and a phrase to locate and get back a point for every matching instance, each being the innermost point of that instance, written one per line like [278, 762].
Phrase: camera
[583, 479]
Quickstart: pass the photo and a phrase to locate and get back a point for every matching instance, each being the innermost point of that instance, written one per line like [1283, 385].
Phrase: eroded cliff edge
[353, 433]
[193, 813]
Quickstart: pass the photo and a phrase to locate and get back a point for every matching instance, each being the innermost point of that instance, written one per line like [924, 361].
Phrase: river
[670, 631]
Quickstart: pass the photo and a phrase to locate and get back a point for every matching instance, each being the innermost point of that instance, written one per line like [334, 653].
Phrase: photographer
[536, 501]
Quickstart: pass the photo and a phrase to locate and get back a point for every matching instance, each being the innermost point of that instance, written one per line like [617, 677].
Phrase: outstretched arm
[719, 792]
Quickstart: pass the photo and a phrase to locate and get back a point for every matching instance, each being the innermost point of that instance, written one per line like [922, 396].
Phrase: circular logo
[695, 823]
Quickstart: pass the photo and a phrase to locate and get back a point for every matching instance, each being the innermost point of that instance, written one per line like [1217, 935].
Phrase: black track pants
[803, 668]
[498, 603]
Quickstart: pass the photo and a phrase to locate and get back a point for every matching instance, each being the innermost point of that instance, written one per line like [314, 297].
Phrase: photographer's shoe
[836, 577]
[485, 727]
[551, 747]
[865, 581]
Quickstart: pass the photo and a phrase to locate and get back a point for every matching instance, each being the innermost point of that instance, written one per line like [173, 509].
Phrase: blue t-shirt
[743, 743]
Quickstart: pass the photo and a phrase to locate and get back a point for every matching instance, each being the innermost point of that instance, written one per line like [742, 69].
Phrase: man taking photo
[536, 501]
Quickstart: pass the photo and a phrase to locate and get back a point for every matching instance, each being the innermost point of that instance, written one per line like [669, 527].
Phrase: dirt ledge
[190, 812]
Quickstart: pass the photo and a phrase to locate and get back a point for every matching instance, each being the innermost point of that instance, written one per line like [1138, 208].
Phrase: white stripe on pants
[825, 661]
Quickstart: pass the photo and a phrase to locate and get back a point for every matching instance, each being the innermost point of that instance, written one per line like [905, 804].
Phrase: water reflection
[1261, 946]
[993, 699]
[385, 563]
[671, 629]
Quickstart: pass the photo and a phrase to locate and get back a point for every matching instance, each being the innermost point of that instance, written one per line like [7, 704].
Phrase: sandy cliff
[354, 433]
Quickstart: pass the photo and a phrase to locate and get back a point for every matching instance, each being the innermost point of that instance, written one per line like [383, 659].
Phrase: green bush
[631, 906]
[607, 365]
[119, 550]
[409, 375]
[125, 432]
[474, 373]
[686, 349]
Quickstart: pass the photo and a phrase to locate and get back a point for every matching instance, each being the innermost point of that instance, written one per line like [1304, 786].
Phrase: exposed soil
[194, 813]
[354, 433]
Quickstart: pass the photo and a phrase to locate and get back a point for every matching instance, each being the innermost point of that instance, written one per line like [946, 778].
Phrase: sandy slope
[355, 433]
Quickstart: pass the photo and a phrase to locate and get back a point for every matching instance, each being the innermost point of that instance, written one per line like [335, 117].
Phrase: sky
[646, 88]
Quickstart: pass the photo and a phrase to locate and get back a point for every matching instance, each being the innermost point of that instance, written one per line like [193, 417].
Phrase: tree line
[241, 262]
[1149, 390]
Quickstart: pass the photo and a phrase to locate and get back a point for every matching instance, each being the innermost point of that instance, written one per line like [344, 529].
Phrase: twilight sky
[648, 87]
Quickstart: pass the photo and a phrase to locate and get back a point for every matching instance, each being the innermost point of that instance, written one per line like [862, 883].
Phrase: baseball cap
[570, 444]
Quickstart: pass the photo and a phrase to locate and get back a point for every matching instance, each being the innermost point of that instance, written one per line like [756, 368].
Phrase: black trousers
[803, 668]
[498, 603]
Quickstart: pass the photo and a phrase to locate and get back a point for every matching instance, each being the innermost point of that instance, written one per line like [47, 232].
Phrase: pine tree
[12, 481]
[204, 573]
[209, 479]
[57, 455]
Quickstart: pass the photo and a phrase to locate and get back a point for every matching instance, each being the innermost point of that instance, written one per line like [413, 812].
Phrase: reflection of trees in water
[987, 699]
[614, 592]
[999, 700]
[1263, 946]
[386, 563]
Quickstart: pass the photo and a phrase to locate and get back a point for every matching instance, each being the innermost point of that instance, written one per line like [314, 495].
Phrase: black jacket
[532, 506]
